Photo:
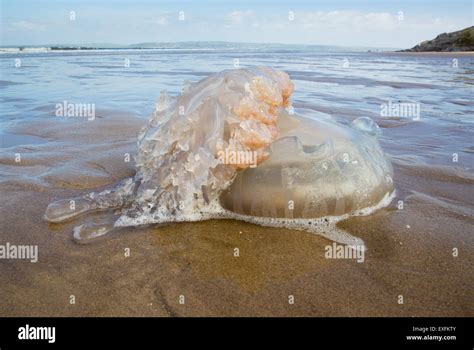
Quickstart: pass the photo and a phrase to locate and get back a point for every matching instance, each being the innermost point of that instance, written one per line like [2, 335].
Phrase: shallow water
[344, 85]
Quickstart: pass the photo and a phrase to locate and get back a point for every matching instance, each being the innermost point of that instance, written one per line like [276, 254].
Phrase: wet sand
[409, 250]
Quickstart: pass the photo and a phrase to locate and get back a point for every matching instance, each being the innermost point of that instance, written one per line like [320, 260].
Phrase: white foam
[323, 226]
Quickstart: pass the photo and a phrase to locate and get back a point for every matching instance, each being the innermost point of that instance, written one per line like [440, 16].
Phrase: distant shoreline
[188, 46]
[238, 46]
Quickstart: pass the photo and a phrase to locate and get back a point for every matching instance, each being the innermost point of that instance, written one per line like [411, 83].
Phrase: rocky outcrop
[462, 40]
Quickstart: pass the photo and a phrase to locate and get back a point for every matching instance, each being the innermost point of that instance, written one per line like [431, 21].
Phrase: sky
[365, 23]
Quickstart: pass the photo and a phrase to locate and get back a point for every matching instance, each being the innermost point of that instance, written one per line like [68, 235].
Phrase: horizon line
[116, 45]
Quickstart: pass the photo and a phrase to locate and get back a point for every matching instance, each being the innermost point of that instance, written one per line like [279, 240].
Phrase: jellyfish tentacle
[66, 209]
[94, 230]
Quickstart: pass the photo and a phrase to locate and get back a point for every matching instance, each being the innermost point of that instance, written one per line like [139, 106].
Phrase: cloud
[161, 21]
[350, 27]
[237, 17]
[374, 21]
[350, 20]
[26, 26]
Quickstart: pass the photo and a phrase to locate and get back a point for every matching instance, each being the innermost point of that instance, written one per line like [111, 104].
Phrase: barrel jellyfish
[231, 146]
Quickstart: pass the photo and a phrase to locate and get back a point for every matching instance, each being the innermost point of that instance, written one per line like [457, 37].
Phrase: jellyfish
[230, 146]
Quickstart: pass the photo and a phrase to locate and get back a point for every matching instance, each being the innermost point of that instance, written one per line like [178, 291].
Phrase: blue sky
[380, 23]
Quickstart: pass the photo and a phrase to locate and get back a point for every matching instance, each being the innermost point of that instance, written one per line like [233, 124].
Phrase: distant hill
[462, 40]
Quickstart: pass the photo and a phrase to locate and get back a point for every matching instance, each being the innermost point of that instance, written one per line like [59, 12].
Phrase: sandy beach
[410, 251]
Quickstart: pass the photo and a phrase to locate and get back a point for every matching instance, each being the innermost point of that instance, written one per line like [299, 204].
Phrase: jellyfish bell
[316, 168]
[318, 173]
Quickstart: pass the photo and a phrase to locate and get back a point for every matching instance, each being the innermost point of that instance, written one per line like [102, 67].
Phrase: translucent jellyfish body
[227, 148]
[316, 168]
